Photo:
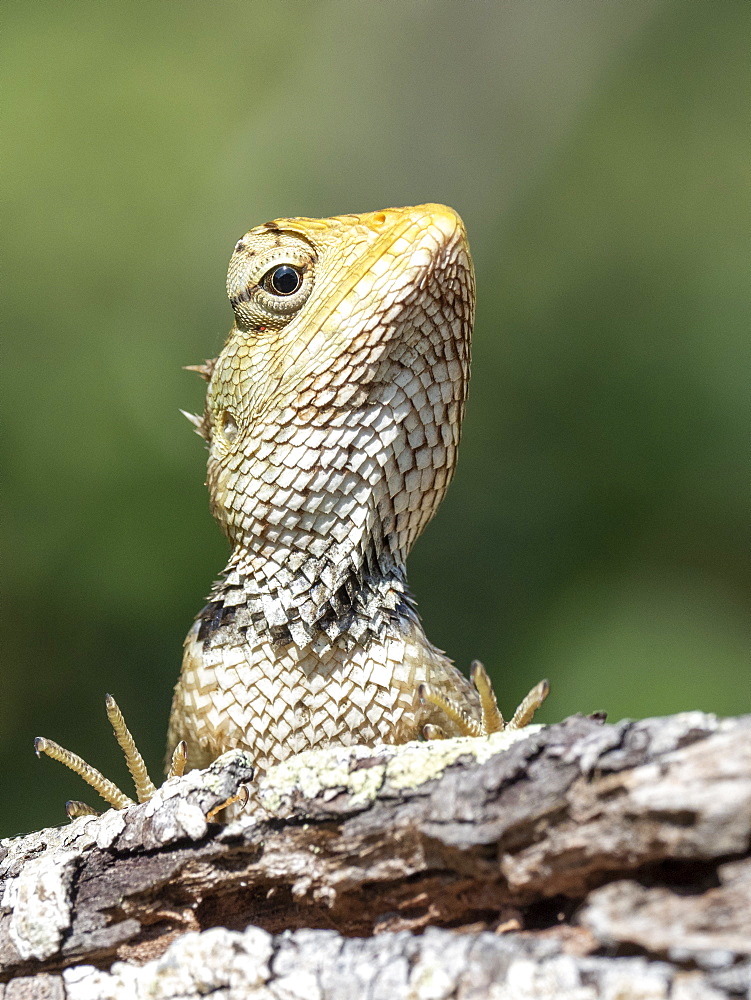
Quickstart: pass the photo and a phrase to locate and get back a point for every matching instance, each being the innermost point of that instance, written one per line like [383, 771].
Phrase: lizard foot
[108, 790]
[491, 720]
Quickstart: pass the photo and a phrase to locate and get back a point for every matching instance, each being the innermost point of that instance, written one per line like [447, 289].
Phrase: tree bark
[576, 861]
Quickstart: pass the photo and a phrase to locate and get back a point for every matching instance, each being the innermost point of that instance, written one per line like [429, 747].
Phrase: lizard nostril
[229, 426]
[379, 218]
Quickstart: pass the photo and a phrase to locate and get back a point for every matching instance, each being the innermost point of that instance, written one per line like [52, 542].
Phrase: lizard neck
[318, 605]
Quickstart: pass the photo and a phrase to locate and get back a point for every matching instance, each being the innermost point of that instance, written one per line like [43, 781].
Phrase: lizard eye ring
[284, 279]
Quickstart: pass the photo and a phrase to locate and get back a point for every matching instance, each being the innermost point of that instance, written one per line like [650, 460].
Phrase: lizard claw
[74, 809]
[145, 787]
[178, 761]
[491, 720]
[242, 795]
[108, 790]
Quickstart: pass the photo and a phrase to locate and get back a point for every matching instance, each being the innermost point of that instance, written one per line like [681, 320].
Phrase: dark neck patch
[364, 608]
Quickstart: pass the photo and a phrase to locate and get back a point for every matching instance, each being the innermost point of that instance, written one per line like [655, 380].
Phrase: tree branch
[564, 860]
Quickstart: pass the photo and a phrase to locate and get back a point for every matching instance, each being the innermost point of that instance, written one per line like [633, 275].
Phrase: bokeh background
[597, 532]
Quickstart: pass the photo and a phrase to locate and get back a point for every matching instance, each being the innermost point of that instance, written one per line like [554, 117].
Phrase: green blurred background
[600, 154]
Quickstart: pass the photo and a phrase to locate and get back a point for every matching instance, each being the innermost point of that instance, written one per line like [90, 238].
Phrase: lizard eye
[268, 285]
[282, 280]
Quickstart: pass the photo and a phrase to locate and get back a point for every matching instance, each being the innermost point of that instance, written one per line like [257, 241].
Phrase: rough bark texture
[578, 861]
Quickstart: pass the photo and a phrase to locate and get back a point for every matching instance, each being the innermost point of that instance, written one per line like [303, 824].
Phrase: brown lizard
[332, 419]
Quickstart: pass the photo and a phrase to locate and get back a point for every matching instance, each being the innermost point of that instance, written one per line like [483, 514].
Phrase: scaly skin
[332, 418]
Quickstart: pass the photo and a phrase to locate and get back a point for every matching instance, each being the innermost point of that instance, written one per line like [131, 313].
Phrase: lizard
[332, 419]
